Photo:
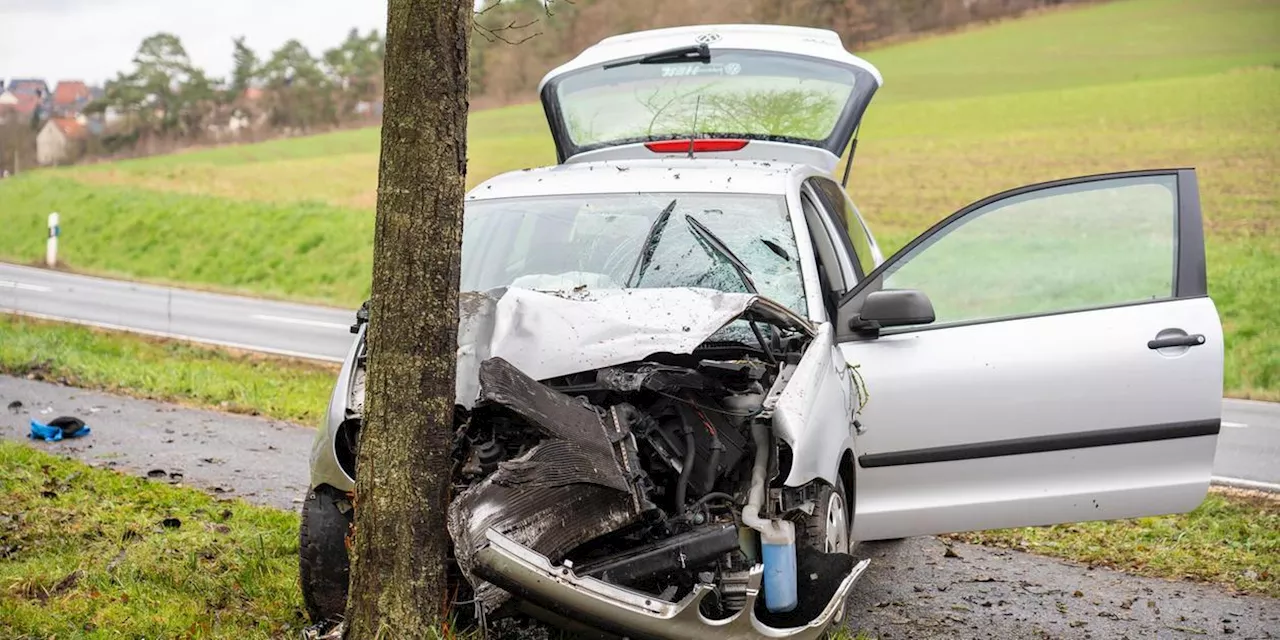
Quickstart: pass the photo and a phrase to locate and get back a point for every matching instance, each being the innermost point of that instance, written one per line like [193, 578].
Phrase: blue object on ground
[58, 428]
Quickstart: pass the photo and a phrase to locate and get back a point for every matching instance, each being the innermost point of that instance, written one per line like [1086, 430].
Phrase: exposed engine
[669, 515]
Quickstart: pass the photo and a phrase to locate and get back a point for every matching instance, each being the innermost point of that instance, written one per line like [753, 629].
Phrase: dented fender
[813, 414]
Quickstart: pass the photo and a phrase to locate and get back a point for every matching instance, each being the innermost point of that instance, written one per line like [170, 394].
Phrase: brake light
[700, 145]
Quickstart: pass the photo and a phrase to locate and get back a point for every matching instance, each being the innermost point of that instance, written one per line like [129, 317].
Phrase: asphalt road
[246, 323]
[1248, 447]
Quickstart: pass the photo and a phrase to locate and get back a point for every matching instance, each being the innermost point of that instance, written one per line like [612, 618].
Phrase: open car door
[1064, 362]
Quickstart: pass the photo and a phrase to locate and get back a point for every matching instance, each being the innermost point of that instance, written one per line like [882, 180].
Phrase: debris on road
[58, 428]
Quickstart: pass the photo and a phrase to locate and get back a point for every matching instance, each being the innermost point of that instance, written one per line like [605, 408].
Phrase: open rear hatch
[758, 92]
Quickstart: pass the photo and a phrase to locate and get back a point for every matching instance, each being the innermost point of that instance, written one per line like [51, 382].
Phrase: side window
[1069, 247]
[867, 253]
[825, 250]
[846, 217]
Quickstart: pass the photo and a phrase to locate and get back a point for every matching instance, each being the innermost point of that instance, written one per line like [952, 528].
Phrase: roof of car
[635, 176]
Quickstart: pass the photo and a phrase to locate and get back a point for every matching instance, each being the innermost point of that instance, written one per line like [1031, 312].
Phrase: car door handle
[1176, 341]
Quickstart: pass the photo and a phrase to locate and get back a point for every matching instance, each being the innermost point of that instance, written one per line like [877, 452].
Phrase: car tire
[828, 529]
[323, 565]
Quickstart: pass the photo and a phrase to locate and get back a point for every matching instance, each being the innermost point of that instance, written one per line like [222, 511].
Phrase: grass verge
[1233, 539]
[89, 553]
[167, 370]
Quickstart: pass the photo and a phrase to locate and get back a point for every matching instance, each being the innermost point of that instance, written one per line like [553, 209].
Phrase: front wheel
[323, 564]
[828, 530]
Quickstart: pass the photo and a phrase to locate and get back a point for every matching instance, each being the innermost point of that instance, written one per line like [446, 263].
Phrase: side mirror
[892, 308]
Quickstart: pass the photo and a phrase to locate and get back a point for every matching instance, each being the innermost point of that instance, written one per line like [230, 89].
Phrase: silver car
[688, 382]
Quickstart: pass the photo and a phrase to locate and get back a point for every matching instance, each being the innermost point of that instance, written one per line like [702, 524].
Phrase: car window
[864, 246]
[826, 252]
[755, 94]
[1076, 246]
[561, 243]
[850, 222]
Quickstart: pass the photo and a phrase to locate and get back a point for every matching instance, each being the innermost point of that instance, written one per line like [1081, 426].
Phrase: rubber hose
[686, 471]
[713, 464]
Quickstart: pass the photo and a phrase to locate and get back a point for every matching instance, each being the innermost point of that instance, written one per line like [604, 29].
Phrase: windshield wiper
[696, 53]
[650, 245]
[713, 244]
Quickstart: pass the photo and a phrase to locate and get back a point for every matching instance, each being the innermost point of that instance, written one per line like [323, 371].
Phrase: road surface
[246, 323]
[1248, 447]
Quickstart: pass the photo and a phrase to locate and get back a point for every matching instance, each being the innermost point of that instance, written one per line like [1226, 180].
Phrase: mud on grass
[1233, 539]
[91, 553]
[167, 370]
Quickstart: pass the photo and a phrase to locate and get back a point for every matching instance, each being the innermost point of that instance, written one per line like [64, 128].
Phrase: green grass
[1112, 43]
[165, 370]
[310, 251]
[1115, 86]
[1231, 539]
[89, 553]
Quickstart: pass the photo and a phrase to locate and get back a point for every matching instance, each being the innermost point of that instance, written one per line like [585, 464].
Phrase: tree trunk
[398, 556]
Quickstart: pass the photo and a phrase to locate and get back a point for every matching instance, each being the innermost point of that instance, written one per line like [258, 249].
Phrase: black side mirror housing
[892, 308]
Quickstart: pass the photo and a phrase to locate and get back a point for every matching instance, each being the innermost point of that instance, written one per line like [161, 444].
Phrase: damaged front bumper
[531, 576]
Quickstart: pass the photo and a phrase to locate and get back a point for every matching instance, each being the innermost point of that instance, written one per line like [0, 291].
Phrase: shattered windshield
[750, 94]
[617, 241]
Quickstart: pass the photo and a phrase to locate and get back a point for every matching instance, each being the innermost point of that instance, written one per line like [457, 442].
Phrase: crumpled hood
[546, 335]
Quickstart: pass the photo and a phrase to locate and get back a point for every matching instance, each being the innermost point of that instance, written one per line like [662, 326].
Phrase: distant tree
[355, 69]
[245, 67]
[164, 94]
[299, 91]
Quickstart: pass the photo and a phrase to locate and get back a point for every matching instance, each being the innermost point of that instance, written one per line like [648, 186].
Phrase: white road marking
[1234, 425]
[9, 284]
[302, 321]
[176, 336]
[1241, 483]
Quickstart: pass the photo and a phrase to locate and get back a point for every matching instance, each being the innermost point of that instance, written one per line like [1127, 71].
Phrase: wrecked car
[688, 382]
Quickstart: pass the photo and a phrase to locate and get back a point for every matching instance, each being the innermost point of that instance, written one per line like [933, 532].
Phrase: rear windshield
[610, 241]
[749, 94]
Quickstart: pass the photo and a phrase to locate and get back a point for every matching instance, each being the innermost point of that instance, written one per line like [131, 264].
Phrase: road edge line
[175, 336]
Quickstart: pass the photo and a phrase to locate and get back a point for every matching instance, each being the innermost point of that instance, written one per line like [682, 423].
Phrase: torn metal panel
[813, 413]
[546, 335]
[572, 487]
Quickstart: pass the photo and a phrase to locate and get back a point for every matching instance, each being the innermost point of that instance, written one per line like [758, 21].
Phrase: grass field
[1123, 85]
[165, 370]
[90, 553]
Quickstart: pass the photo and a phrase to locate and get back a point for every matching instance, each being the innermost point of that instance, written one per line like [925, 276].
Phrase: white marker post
[51, 248]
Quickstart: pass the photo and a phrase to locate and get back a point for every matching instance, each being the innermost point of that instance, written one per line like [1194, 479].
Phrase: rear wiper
[696, 53]
[713, 244]
[649, 246]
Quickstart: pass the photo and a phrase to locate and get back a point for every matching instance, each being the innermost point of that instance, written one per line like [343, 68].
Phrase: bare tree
[402, 479]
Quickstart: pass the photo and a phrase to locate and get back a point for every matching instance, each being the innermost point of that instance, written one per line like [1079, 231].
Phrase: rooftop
[699, 175]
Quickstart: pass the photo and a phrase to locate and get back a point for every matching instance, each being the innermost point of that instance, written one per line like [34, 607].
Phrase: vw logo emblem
[708, 38]
[733, 68]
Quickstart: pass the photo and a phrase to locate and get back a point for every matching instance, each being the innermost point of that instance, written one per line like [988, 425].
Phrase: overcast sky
[93, 39]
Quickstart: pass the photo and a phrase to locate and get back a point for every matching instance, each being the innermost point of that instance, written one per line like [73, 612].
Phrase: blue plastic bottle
[779, 551]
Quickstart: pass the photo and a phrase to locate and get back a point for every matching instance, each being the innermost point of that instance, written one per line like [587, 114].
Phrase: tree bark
[402, 480]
